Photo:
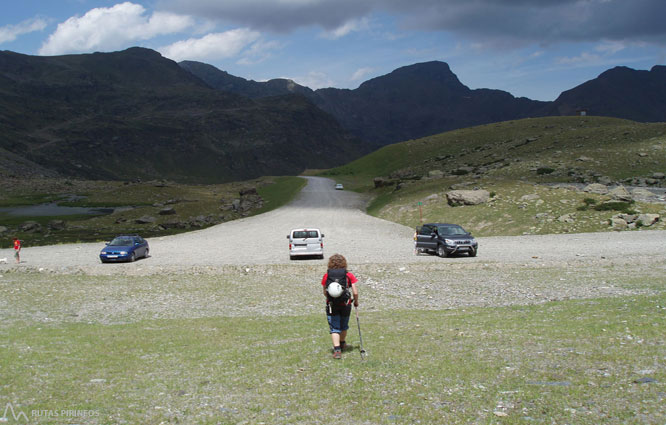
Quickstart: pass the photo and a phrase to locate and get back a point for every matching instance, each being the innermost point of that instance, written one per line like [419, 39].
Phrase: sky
[530, 48]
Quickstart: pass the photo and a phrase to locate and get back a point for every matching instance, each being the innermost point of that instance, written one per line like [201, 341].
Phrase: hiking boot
[337, 354]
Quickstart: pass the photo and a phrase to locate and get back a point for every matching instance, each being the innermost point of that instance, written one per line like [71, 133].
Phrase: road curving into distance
[348, 230]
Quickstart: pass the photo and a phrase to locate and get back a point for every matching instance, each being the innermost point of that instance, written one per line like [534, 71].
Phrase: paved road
[362, 239]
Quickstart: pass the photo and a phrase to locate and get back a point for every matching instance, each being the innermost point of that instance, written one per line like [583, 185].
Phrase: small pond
[53, 209]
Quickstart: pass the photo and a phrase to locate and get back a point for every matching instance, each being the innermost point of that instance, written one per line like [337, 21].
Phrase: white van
[306, 242]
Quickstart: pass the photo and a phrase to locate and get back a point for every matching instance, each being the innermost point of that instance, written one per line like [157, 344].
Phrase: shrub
[544, 170]
[624, 207]
[588, 203]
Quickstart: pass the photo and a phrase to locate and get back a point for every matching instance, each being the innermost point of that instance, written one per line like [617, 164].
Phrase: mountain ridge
[428, 98]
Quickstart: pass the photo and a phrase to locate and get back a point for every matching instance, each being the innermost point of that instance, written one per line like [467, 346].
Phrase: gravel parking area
[261, 240]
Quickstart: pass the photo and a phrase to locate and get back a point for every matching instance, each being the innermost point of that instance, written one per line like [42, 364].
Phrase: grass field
[128, 350]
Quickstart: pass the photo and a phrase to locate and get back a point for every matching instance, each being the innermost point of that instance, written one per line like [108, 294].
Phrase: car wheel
[133, 257]
[472, 252]
[145, 254]
[441, 251]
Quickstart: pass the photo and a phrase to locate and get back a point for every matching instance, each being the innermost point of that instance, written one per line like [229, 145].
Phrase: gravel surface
[230, 269]
[261, 240]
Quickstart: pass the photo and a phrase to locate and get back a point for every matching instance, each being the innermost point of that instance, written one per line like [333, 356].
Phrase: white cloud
[347, 28]
[12, 32]
[583, 59]
[259, 52]
[603, 53]
[361, 73]
[315, 80]
[112, 28]
[212, 46]
[611, 47]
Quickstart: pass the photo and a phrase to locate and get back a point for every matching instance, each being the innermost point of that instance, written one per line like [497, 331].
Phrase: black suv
[445, 239]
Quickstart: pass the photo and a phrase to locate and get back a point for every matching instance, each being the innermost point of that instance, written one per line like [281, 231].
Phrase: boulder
[530, 197]
[382, 182]
[629, 218]
[30, 226]
[620, 193]
[175, 225]
[567, 218]
[467, 197]
[435, 174]
[251, 191]
[597, 188]
[658, 176]
[618, 224]
[57, 225]
[647, 220]
[643, 194]
[167, 211]
[146, 219]
[461, 171]
[3, 229]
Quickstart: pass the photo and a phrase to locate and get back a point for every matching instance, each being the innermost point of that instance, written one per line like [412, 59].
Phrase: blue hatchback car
[124, 248]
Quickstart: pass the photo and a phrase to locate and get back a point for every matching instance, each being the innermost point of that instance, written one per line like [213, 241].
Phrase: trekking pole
[359, 334]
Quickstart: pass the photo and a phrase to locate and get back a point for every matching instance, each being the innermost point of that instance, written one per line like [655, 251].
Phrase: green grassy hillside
[518, 162]
[191, 207]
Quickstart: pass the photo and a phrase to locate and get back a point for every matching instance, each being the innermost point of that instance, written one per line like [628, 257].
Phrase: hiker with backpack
[337, 283]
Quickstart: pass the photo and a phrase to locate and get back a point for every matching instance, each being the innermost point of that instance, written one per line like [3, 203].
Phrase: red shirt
[352, 279]
[17, 244]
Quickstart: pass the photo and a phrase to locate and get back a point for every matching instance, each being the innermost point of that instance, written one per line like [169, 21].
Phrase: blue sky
[531, 48]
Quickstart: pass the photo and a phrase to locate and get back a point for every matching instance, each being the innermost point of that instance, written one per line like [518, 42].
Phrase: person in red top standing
[336, 283]
[17, 250]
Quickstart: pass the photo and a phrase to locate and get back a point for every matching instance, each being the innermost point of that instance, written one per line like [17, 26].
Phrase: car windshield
[120, 241]
[302, 234]
[451, 231]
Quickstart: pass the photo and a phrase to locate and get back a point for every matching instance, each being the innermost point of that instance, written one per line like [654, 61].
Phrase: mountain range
[428, 98]
[135, 114]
